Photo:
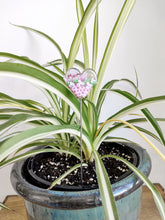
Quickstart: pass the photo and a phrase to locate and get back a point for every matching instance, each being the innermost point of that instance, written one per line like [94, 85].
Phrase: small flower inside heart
[80, 83]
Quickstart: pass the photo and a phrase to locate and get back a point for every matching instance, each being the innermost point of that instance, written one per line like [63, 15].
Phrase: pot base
[128, 209]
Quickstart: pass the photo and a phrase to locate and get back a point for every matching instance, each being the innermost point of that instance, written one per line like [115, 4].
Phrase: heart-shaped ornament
[80, 83]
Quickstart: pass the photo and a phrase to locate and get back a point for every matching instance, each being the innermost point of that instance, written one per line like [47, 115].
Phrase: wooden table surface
[148, 211]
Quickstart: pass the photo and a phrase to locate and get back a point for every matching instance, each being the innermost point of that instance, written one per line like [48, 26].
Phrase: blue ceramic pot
[44, 204]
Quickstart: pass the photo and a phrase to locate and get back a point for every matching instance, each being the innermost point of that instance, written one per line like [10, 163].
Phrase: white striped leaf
[39, 78]
[34, 152]
[80, 31]
[14, 143]
[106, 193]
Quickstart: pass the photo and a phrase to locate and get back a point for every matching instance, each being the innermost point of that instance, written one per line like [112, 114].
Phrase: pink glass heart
[80, 83]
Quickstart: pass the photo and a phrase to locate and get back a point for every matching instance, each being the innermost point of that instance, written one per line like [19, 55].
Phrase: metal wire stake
[81, 140]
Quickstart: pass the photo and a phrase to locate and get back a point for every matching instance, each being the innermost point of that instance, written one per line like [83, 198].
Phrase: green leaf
[80, 12]
[148, 132]
[93, 118]
[80, 31]
[157, 196]
[70, 146]
[14, 143]
[121, 20]
[105, 125]
[108, 201]
[146, 113]
[50, 39]
[130, 82]
[58, 180]
[95, 40]
[11, 111]
[138, 106]
[4, 117]
[137, 83]
[135, 121]
[18, 119]
[103, 93]
[105, 136]
[34, 152]
[117, 139]
[59, 62]
[39, 78]
[32, 63]
[54, 102]
[22, 103]
[108, 88]
[4, 206]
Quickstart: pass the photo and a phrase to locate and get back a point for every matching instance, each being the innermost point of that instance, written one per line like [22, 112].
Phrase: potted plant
[71, 131]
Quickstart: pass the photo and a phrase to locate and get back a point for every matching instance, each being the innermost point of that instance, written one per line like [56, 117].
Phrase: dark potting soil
[54, 165]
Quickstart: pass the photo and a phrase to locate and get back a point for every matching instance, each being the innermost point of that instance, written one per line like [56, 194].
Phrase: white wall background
[141, 45]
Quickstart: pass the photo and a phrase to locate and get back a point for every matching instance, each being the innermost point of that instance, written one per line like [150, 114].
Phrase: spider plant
[56, 124]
